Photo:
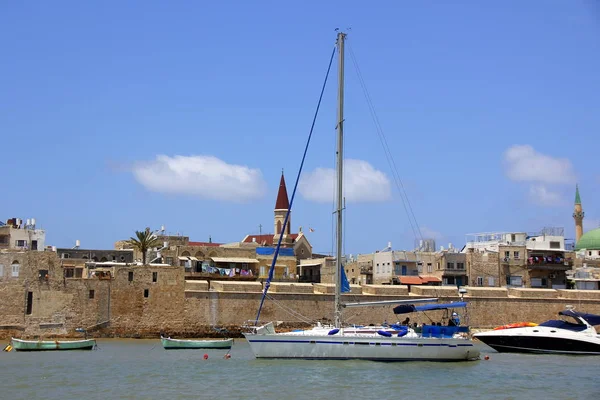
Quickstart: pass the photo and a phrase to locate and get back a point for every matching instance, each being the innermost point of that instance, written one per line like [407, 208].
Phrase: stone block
[579, 294]
[285, 287]
[487, 292]
[329, 288]
[196, 285]
[533, 293]
[391, 290]
[434, 291]
[243, 287]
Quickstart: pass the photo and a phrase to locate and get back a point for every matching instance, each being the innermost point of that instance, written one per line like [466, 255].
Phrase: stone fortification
[37, 300]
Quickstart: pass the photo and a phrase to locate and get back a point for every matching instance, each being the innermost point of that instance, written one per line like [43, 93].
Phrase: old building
[14, 235]
[538, 260]
[298, 241]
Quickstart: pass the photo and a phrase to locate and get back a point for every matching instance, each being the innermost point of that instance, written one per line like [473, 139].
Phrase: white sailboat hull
[361, 347]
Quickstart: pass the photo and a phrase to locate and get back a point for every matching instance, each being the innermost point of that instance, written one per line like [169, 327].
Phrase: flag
[345, 284]
[311, 229]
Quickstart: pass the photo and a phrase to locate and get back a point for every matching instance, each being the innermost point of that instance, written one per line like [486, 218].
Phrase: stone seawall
[142, 301]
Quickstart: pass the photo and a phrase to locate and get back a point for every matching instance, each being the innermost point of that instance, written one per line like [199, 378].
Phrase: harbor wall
[142, 301]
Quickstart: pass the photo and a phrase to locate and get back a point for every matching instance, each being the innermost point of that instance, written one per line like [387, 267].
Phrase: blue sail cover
[409, 308]
[345, 284]
[591, 319]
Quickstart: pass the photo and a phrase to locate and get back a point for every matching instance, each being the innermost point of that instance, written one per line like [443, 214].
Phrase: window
[4, 240]
[420, 268]
[130, 276]
[19, 243]
[146, 292]
[449, 280]
[262, 270]
[479, 281]
[460, 265]
[516, 255]
[396, 269]
[555, 245]
[515, 280]
[513, 237]
[69, 272]
[438, 265]
[450, 265]
[43, 274]
[429, 267]
[169, 260]
[183, 263]
[154, 276]
[78, 272]
[491, 281]
[92, 293]
[15, 269]
[29, 303]
[589, 253]
[65, 255]
[506, 255]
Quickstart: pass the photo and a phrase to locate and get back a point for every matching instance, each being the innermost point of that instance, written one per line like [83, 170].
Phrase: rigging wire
[388, 154]
[287, 215]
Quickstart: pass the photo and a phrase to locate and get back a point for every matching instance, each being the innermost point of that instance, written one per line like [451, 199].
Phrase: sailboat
[339, 342]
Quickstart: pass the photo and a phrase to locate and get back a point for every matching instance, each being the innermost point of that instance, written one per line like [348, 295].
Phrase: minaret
[578, 215]
[282, 206]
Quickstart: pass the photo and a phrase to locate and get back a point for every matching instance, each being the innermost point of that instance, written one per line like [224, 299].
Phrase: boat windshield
[560, 324]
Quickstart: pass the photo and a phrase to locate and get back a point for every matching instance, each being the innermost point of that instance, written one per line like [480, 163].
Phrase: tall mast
[341, 37]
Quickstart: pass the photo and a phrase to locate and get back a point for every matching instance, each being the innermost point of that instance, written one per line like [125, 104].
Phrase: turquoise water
[141, 369]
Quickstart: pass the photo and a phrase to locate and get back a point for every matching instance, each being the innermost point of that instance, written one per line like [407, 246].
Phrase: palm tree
[144, 241]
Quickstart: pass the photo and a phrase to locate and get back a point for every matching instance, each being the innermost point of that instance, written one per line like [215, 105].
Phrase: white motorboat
[573, 335]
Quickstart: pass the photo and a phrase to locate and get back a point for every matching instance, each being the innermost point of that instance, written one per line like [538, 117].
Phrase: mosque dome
[589, 240]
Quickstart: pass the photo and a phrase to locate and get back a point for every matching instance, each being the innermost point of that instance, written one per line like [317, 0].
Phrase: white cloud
[202, 176]
[525, 164]
[541, 195]
[362, 183]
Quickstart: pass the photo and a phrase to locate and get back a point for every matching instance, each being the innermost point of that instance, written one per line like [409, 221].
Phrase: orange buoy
[205, 356]
[227, 356]
[486, 357]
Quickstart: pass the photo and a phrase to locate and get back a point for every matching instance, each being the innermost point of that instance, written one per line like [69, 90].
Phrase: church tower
[578, 215]
[282, 205]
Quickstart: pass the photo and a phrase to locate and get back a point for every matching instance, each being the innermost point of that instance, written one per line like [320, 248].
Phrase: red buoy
[206, 356]
[486, 357]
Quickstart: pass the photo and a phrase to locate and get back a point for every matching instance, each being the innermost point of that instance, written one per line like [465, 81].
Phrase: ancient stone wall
[142, 301]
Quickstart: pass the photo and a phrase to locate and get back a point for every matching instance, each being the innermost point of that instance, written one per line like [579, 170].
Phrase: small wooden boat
[176, 344]
[48, 345]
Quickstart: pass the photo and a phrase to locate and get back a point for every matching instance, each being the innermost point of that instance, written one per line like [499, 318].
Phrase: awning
[241, 260]
[427, 279]
[193, 258]
[310, 265]
[183, 258]
[410, 280]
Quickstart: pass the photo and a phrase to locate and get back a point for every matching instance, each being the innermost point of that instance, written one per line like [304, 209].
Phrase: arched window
[103, 259]
[15, 268]
[199, 255]
[278, 227]
[185, 254]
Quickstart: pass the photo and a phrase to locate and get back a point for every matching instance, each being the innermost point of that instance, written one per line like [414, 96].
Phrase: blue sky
[120, 115]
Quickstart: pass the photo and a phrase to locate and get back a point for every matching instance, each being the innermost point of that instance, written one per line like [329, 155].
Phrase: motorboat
[574, 333]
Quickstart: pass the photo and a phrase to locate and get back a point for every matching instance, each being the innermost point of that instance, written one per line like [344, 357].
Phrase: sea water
[142, 369]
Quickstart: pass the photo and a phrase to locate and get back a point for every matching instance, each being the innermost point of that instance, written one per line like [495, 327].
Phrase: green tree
[144, 241]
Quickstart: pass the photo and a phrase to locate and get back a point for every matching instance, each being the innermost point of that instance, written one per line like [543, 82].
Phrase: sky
[121, 115]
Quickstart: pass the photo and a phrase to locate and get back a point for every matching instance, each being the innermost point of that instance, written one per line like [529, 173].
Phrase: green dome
[589, 240]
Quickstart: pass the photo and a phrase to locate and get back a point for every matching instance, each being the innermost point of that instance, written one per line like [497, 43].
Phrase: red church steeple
[282, 202]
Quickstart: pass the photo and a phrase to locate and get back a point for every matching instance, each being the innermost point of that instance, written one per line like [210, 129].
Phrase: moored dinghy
[180, 344]
[51, 345]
